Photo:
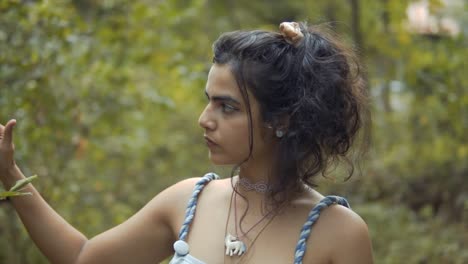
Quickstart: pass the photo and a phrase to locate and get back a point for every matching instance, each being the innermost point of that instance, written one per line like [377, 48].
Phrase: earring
[279, 133]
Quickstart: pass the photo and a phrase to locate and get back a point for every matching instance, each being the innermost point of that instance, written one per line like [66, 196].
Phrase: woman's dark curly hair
[316, 86]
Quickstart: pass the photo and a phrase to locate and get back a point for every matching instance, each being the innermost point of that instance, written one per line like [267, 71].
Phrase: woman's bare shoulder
[174, 198]
[183, 190]
[348, 232]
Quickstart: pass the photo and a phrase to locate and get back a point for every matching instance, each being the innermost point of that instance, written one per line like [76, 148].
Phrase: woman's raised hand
[7, 149]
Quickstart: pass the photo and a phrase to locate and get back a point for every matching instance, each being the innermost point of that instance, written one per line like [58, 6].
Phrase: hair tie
[291, 32]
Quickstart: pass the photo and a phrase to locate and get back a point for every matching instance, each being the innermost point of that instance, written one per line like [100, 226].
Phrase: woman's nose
[206, 120]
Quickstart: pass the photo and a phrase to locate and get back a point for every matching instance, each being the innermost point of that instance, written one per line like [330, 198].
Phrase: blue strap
[311, 219]
[192, 204]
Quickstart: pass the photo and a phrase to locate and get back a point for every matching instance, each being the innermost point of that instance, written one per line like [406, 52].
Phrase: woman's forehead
[221, 81]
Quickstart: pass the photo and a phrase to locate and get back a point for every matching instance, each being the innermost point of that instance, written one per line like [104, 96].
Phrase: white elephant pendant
[234, 246]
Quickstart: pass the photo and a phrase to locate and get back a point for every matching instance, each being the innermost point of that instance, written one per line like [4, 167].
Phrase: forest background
[107, 95]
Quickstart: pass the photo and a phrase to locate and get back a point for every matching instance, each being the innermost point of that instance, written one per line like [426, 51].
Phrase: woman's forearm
[59, 241]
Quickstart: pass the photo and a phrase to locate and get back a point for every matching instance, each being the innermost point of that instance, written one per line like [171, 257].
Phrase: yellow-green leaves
[16, 189]
[21, 183]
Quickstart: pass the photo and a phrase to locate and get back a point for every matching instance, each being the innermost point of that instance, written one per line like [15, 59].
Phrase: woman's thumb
[8, 133]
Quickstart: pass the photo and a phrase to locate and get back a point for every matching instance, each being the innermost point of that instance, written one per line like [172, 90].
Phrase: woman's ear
[279, 126]
[282, 122]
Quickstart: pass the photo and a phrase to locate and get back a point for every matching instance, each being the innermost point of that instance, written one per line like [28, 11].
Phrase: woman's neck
[251, 175]
[257, 169]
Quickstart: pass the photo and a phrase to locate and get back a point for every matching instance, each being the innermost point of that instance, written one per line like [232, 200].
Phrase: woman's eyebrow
[223, 98]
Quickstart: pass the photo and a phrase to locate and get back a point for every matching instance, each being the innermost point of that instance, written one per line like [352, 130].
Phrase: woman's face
[225, 121]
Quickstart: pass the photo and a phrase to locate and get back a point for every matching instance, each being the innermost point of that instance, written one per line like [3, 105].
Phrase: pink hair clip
[291, 32]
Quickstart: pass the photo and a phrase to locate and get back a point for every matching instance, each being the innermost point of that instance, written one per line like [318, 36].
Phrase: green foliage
[107, 94]
[16, 189]
[402, 236]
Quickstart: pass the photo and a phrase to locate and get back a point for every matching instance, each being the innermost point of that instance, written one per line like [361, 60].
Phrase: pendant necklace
[233, 244]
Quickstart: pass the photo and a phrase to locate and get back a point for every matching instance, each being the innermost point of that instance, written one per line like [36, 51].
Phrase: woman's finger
[8, 132]
[2, 129]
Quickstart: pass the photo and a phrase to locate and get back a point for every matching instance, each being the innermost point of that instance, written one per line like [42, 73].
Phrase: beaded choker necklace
[260, 187]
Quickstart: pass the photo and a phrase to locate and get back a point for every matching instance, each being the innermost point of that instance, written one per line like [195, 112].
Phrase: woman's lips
[209, 142]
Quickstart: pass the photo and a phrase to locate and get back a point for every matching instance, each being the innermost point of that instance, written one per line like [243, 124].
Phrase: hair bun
[291, 32]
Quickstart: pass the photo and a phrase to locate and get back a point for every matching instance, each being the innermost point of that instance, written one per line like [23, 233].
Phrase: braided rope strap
[192, 204]
[311, 219]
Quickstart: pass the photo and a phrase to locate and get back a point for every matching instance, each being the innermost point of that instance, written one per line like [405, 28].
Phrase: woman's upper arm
[147, 236]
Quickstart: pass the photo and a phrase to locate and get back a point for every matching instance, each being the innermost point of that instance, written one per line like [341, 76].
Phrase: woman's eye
[228, 108]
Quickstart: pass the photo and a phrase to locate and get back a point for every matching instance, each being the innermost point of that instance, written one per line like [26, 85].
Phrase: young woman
[282, 107]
